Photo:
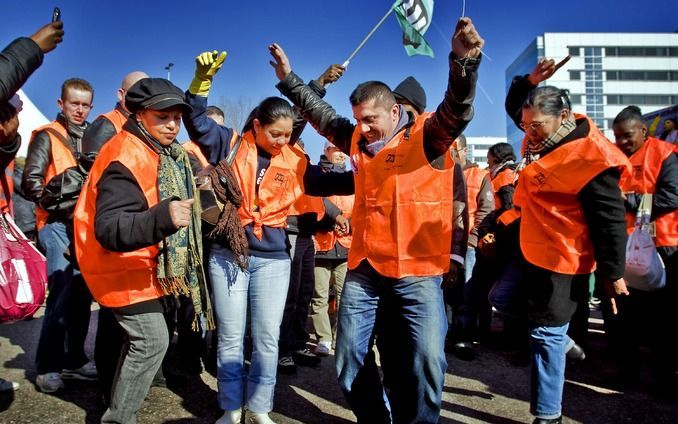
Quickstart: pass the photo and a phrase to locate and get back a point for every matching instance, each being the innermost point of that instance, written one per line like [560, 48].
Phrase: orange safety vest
[116, 118]
[62, 159]
[194, 149]
[506, 176]
[402, 217]
[325, 240]
[554, 234]
[647, 162]
[474, 180]
[6, 189]
[280, 187]
[118, 279]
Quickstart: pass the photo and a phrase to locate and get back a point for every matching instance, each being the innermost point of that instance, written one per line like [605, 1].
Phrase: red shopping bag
[23, 273]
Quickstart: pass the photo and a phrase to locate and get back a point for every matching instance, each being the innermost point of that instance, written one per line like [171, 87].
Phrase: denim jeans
[547, 377]
[508, 294]
[67, 310]
[417, 310]
[464, 312]
[264, 287]
[145, 346]
[293, 334]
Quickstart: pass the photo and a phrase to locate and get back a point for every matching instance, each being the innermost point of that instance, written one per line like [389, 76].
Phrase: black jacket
[332, 211]
[38, 160]
[17, 62]
[600, 199]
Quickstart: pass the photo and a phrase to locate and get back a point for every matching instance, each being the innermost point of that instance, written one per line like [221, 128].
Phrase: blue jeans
[509, 294]
[547, 378]
[264, 287]
[416, 309]
[464, 311]
[67, 309]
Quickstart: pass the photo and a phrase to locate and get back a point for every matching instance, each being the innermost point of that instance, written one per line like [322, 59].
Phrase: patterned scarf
[180, 269]
[533, 150]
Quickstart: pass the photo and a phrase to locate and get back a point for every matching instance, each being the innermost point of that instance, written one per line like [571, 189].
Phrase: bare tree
[235, 111]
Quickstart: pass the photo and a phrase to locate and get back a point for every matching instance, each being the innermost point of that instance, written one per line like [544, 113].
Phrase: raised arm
[456, 109]
[337, 129]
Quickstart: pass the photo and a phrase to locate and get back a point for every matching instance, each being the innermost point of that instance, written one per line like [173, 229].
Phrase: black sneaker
[305, 357]
[464, 351]
[286, 365]
[576, 353]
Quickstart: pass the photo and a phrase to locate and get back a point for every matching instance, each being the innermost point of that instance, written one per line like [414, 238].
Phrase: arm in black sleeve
[319, 183]
[460, 215]
[326, 223]
[126, 223]
[8, 151]
[299, 123]
[17, 62]
[456, 109]
[38, 159]
[665, 198]
[520, 88]
[336, 129]
[603, 208]
[98, 133]
[213, 139]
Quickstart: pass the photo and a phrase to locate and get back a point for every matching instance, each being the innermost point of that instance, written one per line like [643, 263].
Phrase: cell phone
[56, 14]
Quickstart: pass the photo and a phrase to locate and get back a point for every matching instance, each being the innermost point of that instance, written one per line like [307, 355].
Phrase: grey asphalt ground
[487, 390]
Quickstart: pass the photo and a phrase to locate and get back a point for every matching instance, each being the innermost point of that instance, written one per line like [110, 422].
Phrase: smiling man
[402, 230]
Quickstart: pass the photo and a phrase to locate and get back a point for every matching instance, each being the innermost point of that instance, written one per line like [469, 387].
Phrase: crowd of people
[236, 236]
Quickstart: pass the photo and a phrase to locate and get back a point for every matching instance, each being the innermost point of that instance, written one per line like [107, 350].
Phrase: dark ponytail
[269, 110]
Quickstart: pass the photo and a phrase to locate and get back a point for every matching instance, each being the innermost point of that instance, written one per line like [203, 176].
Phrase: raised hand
[545, 69]
[331, 74]
[466, 41]
[208, 63]
[49, 36]
[280, 62]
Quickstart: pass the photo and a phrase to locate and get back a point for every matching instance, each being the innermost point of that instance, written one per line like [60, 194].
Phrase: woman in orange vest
[655, 171]
[572, 223]
[136, 248]
[271, 173]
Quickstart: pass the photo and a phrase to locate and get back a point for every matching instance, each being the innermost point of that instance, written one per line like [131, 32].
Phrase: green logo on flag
[414, 17]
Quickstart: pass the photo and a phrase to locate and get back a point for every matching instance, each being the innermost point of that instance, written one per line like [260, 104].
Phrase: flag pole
[362, 43]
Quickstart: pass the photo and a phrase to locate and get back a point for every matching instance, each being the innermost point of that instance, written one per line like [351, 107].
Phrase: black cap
[156, 94]
[412, 92]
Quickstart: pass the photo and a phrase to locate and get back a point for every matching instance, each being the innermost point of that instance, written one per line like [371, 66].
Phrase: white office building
[607, 72]
[478, 146]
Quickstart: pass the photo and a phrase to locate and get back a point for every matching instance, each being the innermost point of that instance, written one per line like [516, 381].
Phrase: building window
[573, 51]
[641, 51]
[641, 99]
[575, 99]
[575, 75]
[641, 75]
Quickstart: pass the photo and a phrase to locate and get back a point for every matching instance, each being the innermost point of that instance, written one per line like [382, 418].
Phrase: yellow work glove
[206, 65]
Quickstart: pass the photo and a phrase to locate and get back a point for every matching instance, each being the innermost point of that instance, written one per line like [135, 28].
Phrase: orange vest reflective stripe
[62, 159]
[194, 150]
[402, 217]
[506, 176]
[325, 240]
[116, 118]
[474, 180]
[6, 189]
[280, 187]
[117, 279]
[553, 231]
[647, 162]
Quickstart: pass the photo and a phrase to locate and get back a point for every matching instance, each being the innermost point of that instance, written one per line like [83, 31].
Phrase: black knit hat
[156, 94]
[412, 92]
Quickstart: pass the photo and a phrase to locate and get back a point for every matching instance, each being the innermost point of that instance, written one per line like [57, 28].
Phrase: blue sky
[106, 39]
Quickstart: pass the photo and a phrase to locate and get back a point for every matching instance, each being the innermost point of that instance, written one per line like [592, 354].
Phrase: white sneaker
[323, 348]
[50, 382]
[85, 372]
[258, 418]
[230, 417]
[8, 386]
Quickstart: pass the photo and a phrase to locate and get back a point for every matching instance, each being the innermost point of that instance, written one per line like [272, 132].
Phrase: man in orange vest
[51, 164]
[655, 171]
[110, 336]
[402, 230]
[471, 307]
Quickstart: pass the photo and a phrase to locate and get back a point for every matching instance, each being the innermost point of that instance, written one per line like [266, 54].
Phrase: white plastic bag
[644, 267]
